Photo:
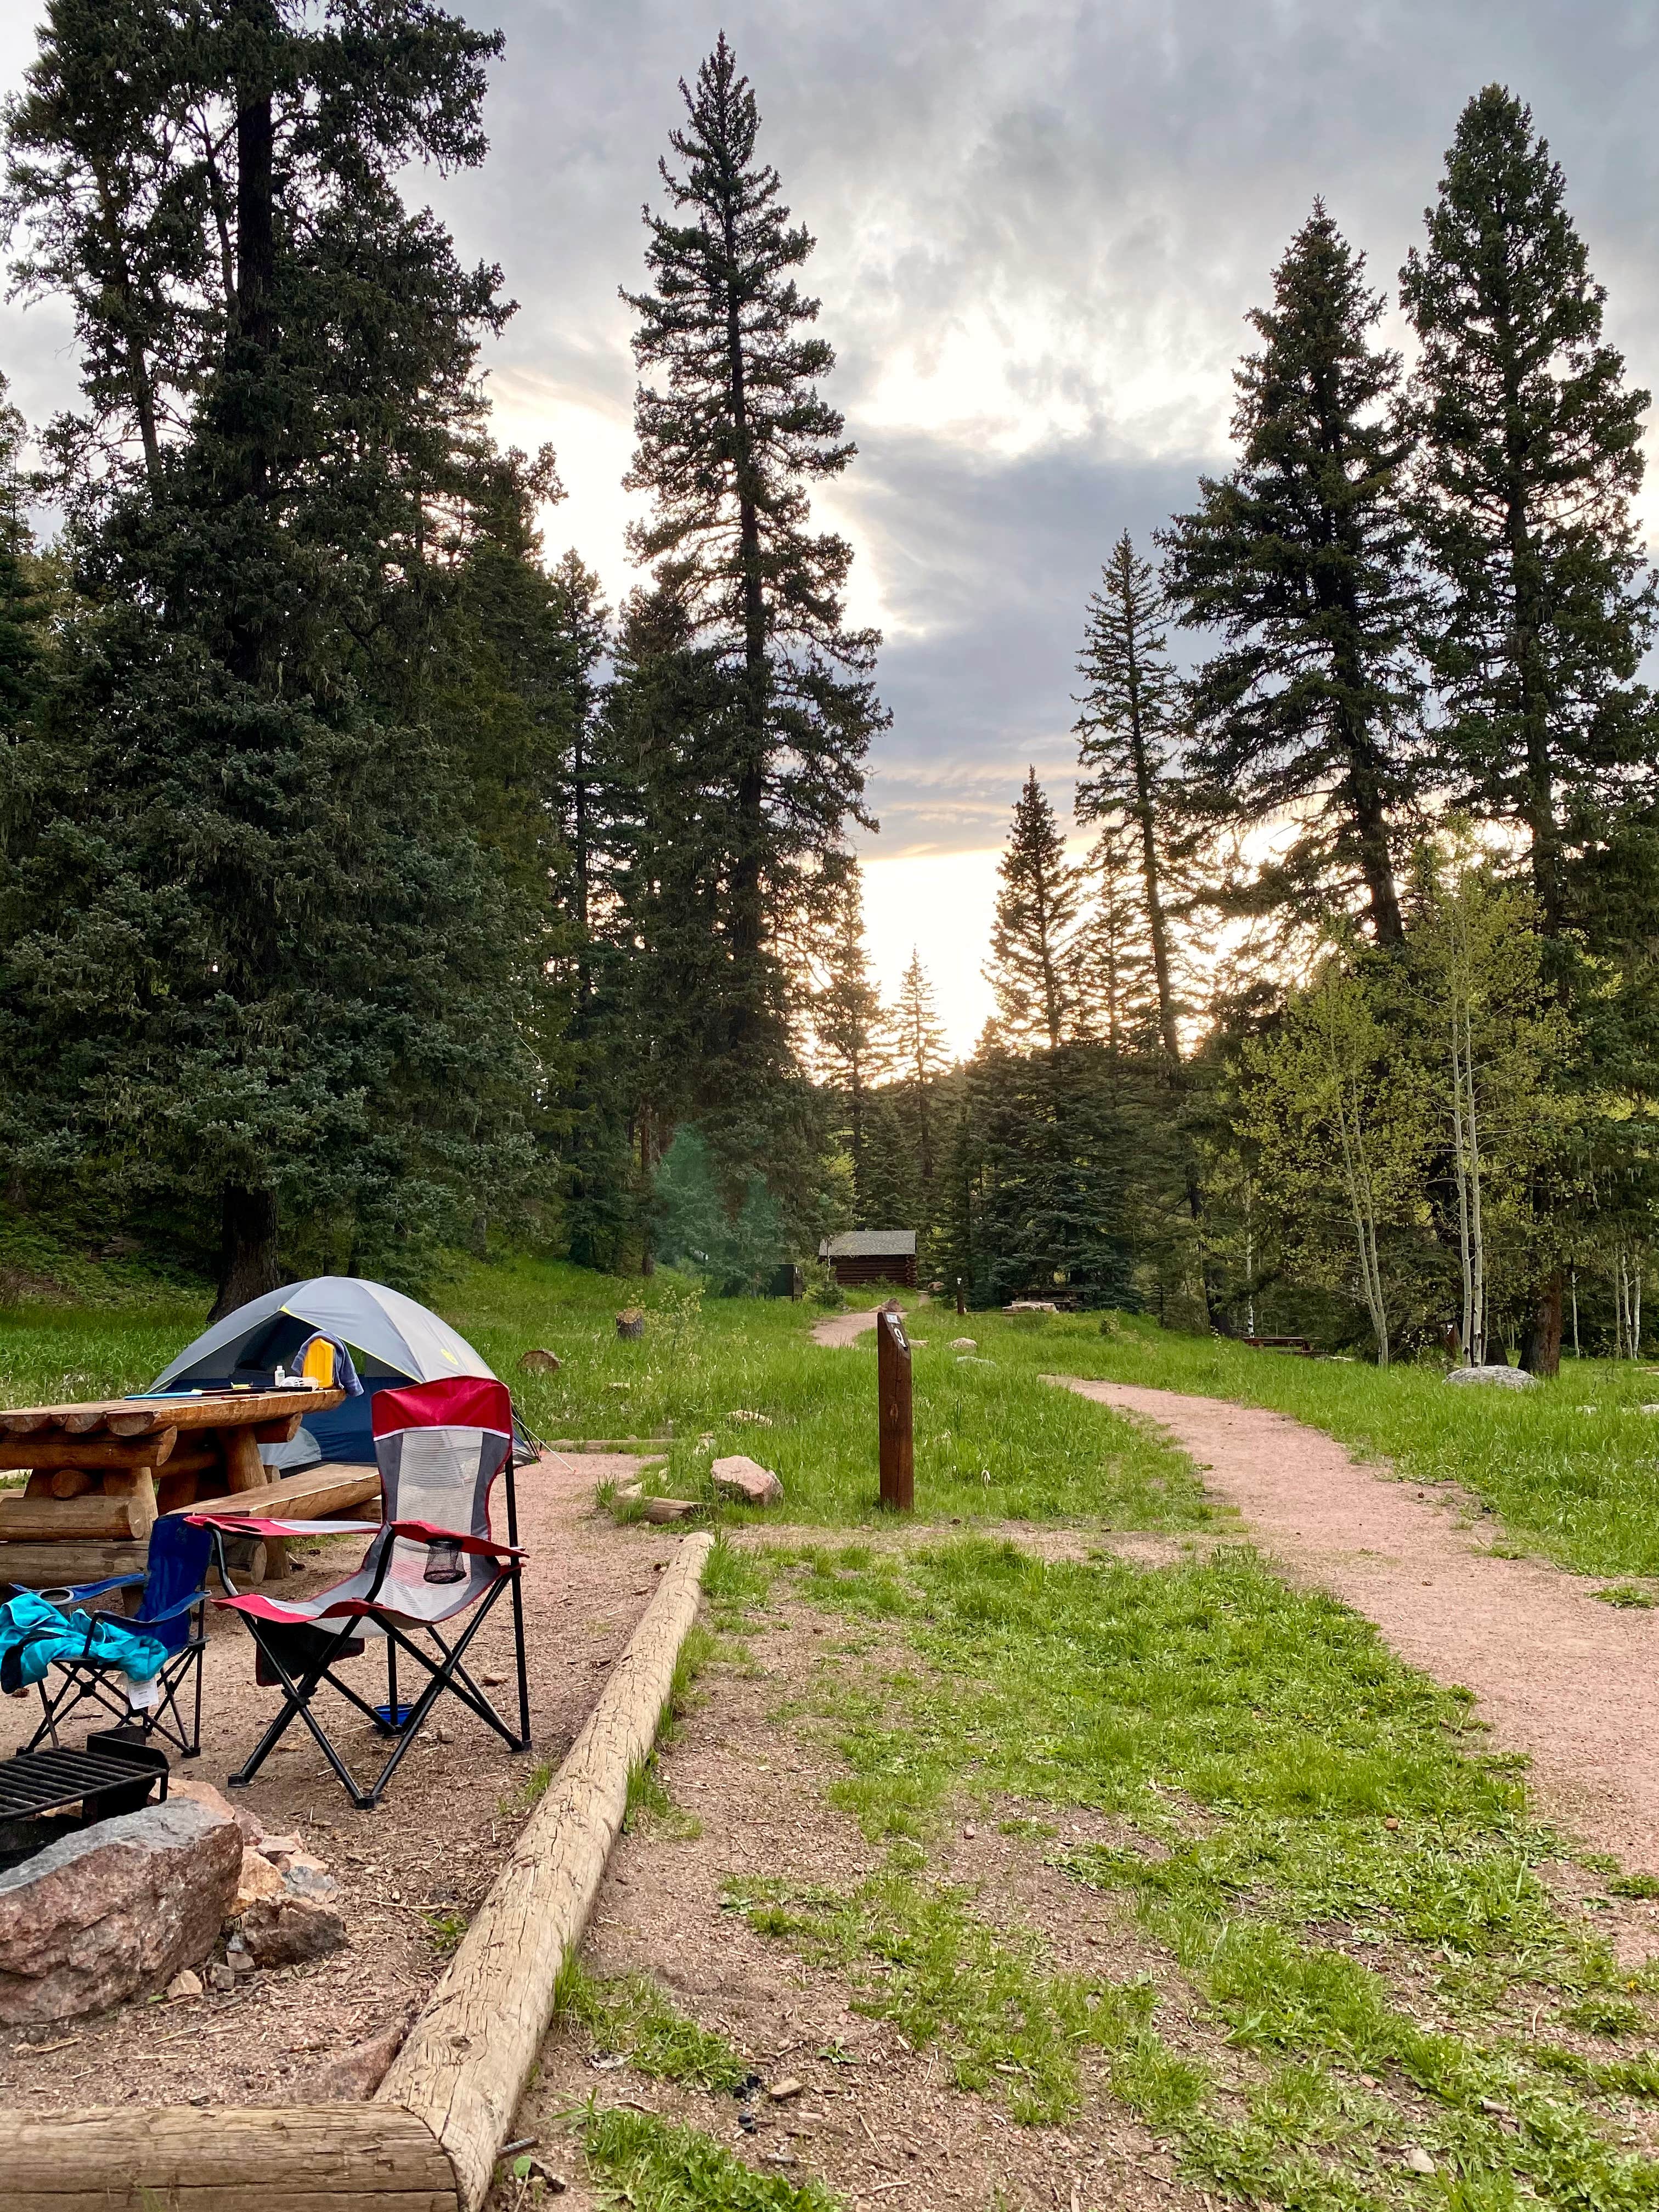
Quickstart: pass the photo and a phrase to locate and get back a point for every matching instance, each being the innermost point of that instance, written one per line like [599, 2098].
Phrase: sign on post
[893, 1392]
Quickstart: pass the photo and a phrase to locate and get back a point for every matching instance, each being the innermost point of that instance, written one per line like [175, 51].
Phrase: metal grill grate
[43, 1781]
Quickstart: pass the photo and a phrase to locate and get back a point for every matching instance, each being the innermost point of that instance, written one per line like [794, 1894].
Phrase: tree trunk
[248, 1265]
[1540, 1352]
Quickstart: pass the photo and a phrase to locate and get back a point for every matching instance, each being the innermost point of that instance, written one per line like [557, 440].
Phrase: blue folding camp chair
[173, 1611]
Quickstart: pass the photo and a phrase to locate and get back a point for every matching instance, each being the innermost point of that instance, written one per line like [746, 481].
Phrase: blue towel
[34, 1633]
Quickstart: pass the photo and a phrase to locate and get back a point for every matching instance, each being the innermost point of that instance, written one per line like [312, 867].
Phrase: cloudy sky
[1039, 228]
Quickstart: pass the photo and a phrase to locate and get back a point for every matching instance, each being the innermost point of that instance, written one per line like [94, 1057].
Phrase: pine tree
[1127, 734]
[851, 1026]
[1114, 970]
[921, 1057]
[1531, 457]
[1301, 559]
[728, 445]
[1031, 965]
[23, 610]
[260, 961]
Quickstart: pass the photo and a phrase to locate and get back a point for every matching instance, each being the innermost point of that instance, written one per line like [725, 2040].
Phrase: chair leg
[298, 1696]
[518, 1642]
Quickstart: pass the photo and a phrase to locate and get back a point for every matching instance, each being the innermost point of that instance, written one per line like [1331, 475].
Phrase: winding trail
[1567, 1679]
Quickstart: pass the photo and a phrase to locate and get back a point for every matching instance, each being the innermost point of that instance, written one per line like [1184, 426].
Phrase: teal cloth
[34, 1633]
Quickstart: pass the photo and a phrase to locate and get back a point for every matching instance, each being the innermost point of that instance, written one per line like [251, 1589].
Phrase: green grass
[1572, 1466]
[1311, 1834]
[915, 1952]
[656, 2168]
[988, 1444]
[630, 2018]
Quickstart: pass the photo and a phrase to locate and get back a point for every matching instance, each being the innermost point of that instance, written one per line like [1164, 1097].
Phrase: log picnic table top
[99, 1472]
[146, 1413]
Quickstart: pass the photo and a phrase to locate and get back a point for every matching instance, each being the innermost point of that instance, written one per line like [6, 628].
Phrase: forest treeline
[369, 887]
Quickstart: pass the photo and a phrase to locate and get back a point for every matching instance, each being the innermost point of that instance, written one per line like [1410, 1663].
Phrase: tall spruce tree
[921, 1058]
[1128, 736]
[1301, 559]
[730, 441]
[1031, 969]
[23, 611]
[854, 1038]
[1531, 455]
[259, 963]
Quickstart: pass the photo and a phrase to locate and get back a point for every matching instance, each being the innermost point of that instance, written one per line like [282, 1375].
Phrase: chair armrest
[152, 1620]
[424, 1532]
[247, 1524]
[80, 1591]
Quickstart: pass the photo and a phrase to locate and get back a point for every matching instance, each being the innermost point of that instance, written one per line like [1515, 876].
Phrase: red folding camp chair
[440, 1447]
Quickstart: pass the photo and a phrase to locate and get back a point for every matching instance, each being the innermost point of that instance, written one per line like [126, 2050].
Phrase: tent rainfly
[392, 1341]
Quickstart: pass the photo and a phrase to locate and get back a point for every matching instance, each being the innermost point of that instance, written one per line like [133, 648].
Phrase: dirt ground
[879, 2123]
[433, 1845]
[1558, 1675]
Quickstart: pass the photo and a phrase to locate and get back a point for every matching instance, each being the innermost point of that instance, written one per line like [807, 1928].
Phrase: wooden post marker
[893, 1392]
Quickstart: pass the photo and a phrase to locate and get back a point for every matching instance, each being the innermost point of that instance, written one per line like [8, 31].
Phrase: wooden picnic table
[100, 1473]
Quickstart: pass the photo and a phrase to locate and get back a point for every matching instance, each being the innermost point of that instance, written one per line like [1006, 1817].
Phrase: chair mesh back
[441, 1446]
[176, 1568]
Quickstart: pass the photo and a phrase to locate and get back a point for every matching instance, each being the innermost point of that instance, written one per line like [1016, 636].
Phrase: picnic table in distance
[100, 1473]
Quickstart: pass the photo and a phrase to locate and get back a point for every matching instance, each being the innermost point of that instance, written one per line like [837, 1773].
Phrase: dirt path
[842, 1328]
[1567, 1679]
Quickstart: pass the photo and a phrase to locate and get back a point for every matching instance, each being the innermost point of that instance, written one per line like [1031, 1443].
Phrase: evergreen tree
[1127, 741]
[1032, 966]
[1115, 971]
[259, 956]
[852, 1035]
[728, 445]
[22, 608]
[1531, 457]
[1301, 559]
[920, 1057]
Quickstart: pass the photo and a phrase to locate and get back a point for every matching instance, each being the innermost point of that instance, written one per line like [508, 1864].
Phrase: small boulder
[1506, 1378]
[746, 1481]
[1032, 1305]
[964, 1344]
[184, 1984]
[538, 1361]
[668, 1509]
[289, 1930]
[114, 1910]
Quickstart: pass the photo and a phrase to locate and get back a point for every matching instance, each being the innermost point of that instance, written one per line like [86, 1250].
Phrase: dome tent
[392, 1341]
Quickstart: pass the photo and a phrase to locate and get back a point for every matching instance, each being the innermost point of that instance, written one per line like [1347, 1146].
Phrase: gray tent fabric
[392, 1341]
[393, 1330]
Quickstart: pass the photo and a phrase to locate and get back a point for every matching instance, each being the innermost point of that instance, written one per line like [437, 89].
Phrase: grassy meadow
[1570, 1468]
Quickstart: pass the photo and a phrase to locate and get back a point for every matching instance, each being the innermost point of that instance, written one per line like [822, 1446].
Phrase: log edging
[465, 2064]
[428, 2142]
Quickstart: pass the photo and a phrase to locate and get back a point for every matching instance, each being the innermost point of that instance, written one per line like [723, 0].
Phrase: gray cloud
[1040, 225]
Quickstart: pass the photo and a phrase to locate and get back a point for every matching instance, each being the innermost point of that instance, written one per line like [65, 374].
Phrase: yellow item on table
[318, 1365]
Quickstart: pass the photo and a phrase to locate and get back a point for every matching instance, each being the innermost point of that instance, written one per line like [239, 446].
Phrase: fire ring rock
[114, 1910]
[746, 1481]
[291, 1929]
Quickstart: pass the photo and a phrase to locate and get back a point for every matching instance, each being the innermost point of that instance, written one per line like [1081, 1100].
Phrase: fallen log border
[429, 2141]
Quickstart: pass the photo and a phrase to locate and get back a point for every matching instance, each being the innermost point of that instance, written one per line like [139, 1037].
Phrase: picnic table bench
[100, 1473]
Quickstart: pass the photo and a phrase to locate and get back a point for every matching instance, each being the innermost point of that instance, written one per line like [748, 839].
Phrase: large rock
[291, 1930]
[115, 1910]
[746, 1481]
[1507, 1378]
